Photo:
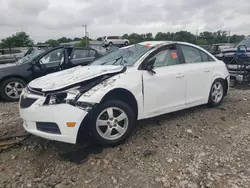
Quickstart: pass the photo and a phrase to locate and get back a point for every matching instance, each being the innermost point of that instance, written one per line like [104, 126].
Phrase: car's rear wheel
[126, 43]
[111, 123]
[217, 93]
[233, 82]
[11, 89]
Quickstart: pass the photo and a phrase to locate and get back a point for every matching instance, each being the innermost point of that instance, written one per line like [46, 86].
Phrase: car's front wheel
[111, 123]
[11, 89]
[217, 93]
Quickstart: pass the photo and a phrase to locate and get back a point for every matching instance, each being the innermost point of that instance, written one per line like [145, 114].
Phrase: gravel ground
[195, 148]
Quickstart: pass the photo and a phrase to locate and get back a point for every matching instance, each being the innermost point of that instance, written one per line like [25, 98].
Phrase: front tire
[111, 123]
[11, 89]
[126, 43]
[217, 93]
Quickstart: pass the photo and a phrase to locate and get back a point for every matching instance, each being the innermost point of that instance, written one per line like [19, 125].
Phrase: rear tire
[232, 82]
[111, 123]
[126, 43]
[217, 93]
[11, 89]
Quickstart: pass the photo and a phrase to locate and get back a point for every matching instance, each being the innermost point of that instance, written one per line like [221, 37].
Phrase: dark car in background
[15, 76]
[219, 47]
[228, 55]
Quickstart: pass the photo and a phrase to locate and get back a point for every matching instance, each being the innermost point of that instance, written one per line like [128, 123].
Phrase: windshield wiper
[121, 57]
[112, 60]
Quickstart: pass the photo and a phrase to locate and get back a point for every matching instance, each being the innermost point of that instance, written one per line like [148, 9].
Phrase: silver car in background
[11, 55]
[115, 40]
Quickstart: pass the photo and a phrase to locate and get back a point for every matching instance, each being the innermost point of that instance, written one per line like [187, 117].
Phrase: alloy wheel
[112, 123]
[217, 92]
[14, 90]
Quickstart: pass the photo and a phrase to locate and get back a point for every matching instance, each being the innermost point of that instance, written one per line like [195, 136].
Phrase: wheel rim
[217, 92]
[13, 90]
[112, 123]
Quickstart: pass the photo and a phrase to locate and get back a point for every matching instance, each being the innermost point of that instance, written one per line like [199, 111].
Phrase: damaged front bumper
[60, 122]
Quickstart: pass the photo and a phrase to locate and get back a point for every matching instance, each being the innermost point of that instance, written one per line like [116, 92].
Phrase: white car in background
[115, 40]
[132, 83]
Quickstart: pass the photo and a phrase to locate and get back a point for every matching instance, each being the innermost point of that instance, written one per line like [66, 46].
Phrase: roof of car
[155, 43]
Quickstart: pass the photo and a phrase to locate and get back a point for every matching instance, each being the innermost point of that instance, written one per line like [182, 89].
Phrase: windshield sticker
[174, 55]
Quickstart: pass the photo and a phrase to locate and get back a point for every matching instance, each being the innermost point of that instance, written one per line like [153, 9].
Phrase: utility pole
[196, 37]
[86, 37]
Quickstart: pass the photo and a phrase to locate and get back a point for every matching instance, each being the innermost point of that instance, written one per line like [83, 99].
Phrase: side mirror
[150, 66]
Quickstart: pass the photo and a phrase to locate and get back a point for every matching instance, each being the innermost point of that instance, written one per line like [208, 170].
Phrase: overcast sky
[44, 19]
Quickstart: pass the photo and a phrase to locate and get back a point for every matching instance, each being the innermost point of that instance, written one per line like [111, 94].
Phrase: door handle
[207, 70]
[179, 75]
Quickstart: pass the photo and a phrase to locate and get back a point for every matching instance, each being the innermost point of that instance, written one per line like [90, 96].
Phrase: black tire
[211, 101]
[233, 82]
[3, 86]
[110, 44]
[126, 43]
[99, 109]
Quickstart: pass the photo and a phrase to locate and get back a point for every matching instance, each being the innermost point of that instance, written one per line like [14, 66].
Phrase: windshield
[30, 56]
[123, 56]
[245, 42]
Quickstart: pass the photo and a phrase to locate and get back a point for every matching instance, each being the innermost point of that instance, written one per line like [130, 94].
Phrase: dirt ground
[195, 148]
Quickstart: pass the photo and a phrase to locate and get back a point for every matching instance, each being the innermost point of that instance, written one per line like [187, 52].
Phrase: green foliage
[52, 42]
[20, 39]
[204, 38]
[82, 43]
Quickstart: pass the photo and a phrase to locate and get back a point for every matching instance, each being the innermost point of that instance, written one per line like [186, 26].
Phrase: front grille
[26, 102]
[48, 127]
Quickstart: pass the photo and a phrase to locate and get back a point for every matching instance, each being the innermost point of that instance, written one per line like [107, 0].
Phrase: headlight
[69, 97]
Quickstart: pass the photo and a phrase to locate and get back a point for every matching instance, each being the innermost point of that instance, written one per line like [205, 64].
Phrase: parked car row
[107, 97]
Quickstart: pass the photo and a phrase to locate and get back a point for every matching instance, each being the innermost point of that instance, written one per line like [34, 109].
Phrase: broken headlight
[69, 97]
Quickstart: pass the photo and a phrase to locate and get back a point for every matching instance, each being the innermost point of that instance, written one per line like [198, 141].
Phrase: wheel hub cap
[13, 89]
[112, 123]
[217, 92]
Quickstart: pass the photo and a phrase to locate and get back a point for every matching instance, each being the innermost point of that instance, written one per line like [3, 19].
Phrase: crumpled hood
[65, 78]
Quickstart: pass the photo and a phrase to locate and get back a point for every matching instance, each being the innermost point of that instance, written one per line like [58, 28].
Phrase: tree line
[22, 39]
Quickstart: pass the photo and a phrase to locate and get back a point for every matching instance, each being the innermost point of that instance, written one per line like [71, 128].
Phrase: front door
[198, 67]
[164, 91]
[49, 63]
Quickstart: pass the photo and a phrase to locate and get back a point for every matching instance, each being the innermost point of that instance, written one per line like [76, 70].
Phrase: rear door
[198, 72]
[82, 56]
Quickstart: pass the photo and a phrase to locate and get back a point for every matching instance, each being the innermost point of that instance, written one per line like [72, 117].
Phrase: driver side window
[166, 57]
[52, 57]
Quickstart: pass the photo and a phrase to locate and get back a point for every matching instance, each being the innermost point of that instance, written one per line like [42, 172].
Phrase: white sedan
[132, 83]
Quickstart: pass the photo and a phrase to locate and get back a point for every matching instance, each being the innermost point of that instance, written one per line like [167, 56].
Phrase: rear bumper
[54, 119]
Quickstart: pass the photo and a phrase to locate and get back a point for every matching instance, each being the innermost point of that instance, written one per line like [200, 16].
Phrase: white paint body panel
[172, 88]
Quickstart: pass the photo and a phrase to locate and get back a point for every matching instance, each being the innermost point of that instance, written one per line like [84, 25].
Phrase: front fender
[96, 94]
